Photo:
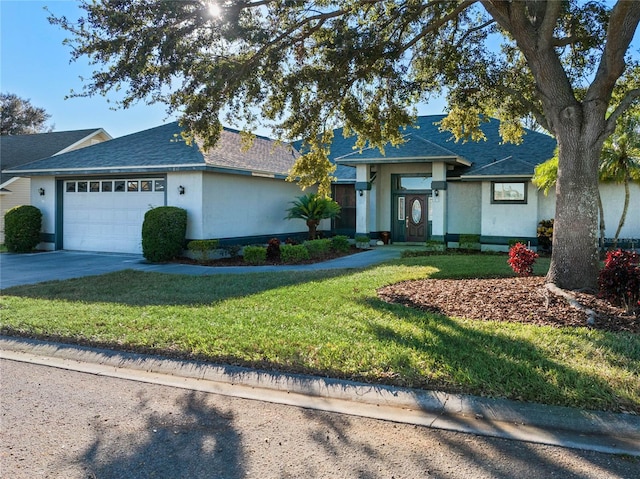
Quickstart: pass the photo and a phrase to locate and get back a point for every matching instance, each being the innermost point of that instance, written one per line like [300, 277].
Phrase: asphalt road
[64, 424]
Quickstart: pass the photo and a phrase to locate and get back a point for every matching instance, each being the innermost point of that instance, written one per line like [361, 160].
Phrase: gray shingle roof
[163, 149]
[490, 158]
[17, 150]
[264, 155]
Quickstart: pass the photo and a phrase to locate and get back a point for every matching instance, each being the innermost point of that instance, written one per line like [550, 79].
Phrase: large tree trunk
[574, 258]
[602, 225]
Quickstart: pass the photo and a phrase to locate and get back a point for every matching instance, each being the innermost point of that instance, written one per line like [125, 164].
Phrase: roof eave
[417, 159]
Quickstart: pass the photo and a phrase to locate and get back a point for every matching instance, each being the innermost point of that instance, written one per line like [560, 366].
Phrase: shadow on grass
[489, 362]
[136, 288]
[197, 440]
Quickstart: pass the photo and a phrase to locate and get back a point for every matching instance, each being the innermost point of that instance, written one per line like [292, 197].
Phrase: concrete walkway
[20, 269]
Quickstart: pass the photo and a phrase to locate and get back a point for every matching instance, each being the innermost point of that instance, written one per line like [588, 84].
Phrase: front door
[416, 221]
[412, 217]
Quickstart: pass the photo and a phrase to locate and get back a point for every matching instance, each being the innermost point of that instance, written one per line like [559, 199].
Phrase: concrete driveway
[20, 269]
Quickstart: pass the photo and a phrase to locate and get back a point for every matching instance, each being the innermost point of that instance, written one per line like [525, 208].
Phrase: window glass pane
[415, 183]
[107, 186]
[416, 211]
[71, 186]
[119, 186]
[94, 186]
[82, 186]
[509, 191]
[132, 186]
[401, 210]
[146, 185]
[159, 185]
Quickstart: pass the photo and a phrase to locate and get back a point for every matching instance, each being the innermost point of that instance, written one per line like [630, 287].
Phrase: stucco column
[363, 190]
[439, 201]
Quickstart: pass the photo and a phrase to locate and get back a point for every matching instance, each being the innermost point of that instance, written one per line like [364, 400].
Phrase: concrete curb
[553, 425]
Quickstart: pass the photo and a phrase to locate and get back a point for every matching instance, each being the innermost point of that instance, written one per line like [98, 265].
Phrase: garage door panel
[106, 220]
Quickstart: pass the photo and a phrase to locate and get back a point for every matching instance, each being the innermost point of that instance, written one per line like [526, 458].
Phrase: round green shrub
[22, 226]
[163, 233]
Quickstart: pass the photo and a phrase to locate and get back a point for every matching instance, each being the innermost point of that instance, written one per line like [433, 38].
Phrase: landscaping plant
[22, 228]
[521, 259]
[619, 280]
[313, 208]
[163, 233]
[318, 248]
[340, 244]
[294, 253]
[545, 234]
[203, 248]
[255, 254]
[273, 249]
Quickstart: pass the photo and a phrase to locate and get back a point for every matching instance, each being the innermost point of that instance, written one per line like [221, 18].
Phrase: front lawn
[332, 323]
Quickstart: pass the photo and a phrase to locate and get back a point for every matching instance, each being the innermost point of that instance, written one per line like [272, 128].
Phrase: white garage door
[106, 214]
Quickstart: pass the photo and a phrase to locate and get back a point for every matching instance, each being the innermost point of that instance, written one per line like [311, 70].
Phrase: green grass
[332, 323]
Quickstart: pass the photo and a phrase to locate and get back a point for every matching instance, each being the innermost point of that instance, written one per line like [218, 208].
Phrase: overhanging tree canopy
[307, 67]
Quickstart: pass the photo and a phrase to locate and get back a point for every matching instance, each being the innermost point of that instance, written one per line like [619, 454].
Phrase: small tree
[313, 208]
[22, 228]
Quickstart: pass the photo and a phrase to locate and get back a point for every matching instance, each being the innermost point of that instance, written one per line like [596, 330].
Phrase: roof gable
[18, 150]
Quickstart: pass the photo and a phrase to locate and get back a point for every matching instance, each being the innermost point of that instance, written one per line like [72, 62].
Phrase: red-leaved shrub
[273, 249]
[521, 259]
[619, 280]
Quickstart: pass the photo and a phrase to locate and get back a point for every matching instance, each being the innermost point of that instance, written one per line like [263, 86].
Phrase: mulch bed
[238, 261]
[522, 300]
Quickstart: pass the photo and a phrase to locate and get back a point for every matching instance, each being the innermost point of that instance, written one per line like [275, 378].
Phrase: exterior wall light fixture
[181, 190]
[41, 191]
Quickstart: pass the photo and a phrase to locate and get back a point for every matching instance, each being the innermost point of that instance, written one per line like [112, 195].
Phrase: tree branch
[623, 23]
[432, 26]
[626, 102]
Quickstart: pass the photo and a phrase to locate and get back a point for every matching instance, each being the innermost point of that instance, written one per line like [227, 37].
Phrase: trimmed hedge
[318, 248]
[291, 253]
[340, 244]
[163, 233]
[255, 254]
[203, 248]
[22, 226]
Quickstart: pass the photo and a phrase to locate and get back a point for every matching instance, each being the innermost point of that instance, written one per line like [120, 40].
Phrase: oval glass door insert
[416, 211]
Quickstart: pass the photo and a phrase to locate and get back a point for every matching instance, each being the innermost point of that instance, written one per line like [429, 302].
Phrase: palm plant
[313, 208]
[620, 161]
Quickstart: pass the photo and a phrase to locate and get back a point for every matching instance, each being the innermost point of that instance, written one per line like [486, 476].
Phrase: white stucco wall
[238, 206]
[46, 204]
[511, 220]
[464, 208]
[191, 200]
[613, 202]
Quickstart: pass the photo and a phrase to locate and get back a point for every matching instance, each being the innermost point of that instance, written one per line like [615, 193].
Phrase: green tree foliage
[19, 117]
[313, 208]
[308, 67]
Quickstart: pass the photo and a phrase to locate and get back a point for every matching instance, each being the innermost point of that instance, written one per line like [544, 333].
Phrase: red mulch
[522, 300]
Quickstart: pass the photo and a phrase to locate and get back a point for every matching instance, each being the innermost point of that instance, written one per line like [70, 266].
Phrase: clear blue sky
[36, 65]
